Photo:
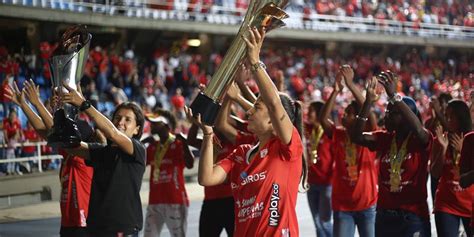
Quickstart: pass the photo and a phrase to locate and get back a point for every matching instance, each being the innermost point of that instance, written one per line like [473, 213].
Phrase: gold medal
[397, 157]
[351, 160]
[316, 135]
[395, 181]
[353, 173]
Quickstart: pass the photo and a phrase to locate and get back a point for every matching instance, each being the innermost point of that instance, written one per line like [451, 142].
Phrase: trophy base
[65, 133]
[206, 107]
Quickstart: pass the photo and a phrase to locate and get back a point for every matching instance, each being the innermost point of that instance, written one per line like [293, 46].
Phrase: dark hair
[317, 106]
[462, 114]
[168, 115]
[140, 118]
[444, 97]
[295, 113]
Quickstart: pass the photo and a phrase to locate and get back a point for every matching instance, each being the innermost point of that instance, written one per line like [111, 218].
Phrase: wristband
[257, 66]
[362, 118]
[85, 105]
[395, 98]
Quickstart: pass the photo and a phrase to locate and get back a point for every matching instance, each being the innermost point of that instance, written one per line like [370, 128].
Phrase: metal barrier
[231, 15]
[39, 158]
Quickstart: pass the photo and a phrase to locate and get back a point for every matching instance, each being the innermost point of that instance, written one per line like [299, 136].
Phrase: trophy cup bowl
[67, 67]
[261, 13]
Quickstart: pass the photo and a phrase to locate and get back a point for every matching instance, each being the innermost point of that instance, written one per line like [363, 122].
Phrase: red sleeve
[228, 163]
[150, 153]
[293, 150]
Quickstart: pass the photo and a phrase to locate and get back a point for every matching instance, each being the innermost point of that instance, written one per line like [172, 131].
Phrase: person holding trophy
[264, 178]
[114, 206]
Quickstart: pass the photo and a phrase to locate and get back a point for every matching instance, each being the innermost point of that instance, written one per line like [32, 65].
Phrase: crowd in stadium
[169, 78]
[359, 130]
[458, 12]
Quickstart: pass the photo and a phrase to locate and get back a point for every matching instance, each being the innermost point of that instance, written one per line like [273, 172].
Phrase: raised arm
[268, 92]
[17, 97]
[242, 76]
[208, 173]
[438, 114]
[357, 135]
[326, 122]
[222, 121]
[438, 152]
[348, 75]
[103, 123]
[32, 93]
[389, 82]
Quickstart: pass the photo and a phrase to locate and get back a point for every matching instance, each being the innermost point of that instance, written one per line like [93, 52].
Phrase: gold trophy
[261, 13]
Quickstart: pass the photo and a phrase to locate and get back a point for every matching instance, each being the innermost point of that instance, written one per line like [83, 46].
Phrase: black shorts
[217, 214]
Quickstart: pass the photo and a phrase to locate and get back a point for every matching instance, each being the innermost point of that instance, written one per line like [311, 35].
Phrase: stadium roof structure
[226, 22]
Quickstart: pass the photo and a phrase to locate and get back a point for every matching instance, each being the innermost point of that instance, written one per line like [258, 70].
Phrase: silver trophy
[67, 67]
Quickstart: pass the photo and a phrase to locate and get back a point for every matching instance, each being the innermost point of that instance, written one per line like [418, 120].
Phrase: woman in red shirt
[264, 178]
[320, 162]
[354, 179]
[452, 203]
[403, 148]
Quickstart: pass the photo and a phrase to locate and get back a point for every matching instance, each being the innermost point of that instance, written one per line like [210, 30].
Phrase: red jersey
[75, 178]
[354, 184]
[467, 160]
[32, 136]
[11, 127]
[450, 197]
[224, 190]
[411, 194]
[265, 189]
[321, 172]
[168, 188]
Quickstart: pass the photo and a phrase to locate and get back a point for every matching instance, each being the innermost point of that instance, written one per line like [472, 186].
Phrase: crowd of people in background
[169, 78]
[354, 137]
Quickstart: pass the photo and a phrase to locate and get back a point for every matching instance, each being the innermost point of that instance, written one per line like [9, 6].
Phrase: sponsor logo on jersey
[274, 217]
[233, 185]
[253, 178]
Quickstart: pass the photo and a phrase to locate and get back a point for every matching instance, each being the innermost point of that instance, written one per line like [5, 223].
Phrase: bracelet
[362, 118]
[208, 134]
[257, 66]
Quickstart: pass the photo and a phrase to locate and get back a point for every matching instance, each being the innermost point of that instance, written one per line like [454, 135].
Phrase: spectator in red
[178, 103]
[320, 162]
[453, 204]
[12, 133]
[29, 135]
